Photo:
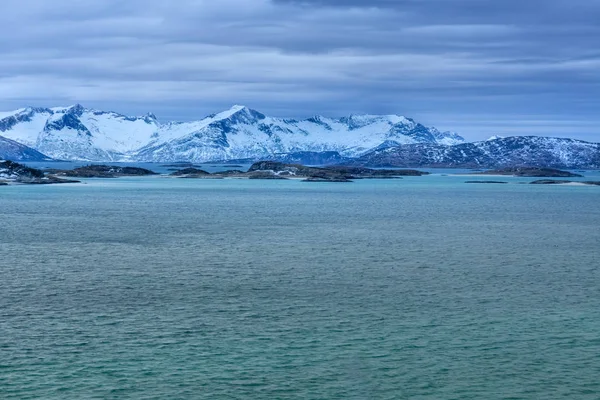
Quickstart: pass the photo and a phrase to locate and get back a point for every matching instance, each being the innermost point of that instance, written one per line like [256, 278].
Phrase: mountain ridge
[532, 151]
[79, 133]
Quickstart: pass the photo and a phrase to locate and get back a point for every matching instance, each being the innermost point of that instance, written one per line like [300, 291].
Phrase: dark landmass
[194, 173]
[363, 172]
[11, 171]
[104, 171]
[11, 167]
[46, 180]
[485, 182]
[332, 174]
[189, 171]
[231, 172]
[532, 172]
[562, 182]
[278, 170]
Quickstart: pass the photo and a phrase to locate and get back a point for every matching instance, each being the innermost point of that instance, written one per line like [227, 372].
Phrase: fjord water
[420, 288]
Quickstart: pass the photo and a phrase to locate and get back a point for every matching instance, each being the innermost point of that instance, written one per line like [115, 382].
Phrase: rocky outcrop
[532, 172]
[278, 170]
[187, 172]
[12, 172]
[564, 182]
[104, 171]
[11, 168]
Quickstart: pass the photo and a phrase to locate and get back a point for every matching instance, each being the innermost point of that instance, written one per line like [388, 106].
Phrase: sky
[477, 67]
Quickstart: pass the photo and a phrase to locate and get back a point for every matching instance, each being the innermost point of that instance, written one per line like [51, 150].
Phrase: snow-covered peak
[76, 109]
[76, 132]
[495, 137]
[25, 124]
[355, 121]
[240, 115]
[60, 109]
[72, 109]
[236, 108]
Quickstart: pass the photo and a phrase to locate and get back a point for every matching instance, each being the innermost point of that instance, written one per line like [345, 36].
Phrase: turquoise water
[421, 288]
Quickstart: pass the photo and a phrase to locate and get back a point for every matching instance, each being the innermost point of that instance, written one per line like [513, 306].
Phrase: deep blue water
[420, 288]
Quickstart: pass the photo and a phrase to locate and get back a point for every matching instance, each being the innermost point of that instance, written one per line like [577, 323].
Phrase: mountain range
[240, 133]
[534, 151]
[78, 133]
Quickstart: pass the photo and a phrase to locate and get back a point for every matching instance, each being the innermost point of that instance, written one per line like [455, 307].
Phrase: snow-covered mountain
[78, 133]
[11, 150]
[532, 151]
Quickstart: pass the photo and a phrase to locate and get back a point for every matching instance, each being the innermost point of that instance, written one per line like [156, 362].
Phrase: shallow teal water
[421, 288]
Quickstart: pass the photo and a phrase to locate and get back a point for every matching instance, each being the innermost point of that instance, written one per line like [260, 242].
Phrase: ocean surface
[419, 288]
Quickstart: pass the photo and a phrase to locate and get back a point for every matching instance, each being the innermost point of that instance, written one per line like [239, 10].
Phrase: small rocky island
[564, 182]
[530, 172]
[102, 171]
[278, 170]
[12, 172]
[190, 173]
[15, 173]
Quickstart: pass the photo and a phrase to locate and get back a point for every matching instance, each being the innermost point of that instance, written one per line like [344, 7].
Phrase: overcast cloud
[478, 67]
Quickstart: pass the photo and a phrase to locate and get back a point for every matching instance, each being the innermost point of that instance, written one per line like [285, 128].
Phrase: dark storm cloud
[476, 66]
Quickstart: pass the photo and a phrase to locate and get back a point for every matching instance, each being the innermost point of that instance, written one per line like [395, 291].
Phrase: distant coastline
[16, 173]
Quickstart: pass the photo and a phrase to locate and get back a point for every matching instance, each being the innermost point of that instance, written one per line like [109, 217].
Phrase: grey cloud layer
[475, 66]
